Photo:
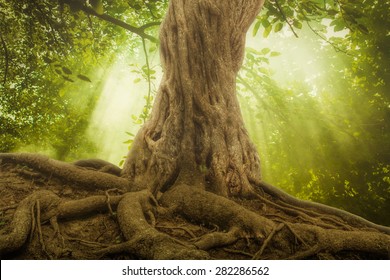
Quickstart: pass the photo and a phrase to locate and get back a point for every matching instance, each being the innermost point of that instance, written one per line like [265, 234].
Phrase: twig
[33, 221]
[108, 201]
[38, 209]
[57, 231]
[285, 18]
[5, 208]
[295, 234]
[267, 241]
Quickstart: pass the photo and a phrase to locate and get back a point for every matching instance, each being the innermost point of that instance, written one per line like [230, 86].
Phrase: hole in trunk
[156, 136]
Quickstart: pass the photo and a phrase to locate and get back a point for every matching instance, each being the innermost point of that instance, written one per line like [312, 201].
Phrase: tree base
[45, 216]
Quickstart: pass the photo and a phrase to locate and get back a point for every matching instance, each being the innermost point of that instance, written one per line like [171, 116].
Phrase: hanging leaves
[66, 70]
[84, 78]
[256, 28]
[47, 60]
[67, 79]
[278, 27]
[297, 24]
[267, 31]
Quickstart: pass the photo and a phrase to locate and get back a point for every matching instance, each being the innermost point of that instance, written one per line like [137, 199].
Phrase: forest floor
[80, 237]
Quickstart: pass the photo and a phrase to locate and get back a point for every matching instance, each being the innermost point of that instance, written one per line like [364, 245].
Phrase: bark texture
[196, 133]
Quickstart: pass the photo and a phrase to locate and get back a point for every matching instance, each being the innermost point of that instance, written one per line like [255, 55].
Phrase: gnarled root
[89, 179]
[144, 239]
[207, 208]
[334, 241]
[22, 223]
[277, 229]
[51, 208]
[348, 217]
[283, 240]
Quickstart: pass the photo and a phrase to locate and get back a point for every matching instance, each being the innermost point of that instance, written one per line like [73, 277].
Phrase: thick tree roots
[185, 222]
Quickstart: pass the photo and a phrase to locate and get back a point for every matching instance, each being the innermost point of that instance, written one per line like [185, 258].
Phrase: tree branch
[285, 18]
[140, 31]
[5, 57]
[337, 49]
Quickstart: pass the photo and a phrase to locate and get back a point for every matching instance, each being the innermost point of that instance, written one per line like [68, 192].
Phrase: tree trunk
[196, 133]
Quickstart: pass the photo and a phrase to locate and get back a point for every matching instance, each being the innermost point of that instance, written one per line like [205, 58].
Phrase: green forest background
[78, 80]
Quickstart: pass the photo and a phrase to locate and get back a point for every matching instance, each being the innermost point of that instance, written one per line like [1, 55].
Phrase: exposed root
[89, 243]
[57, 231]
[240, 252]
[33, 222]
[297, 237]
[324, 217]
[107, 193]
[39, 228]
[188, 231]
[99, 165]
[82, 207]
[217, 239]
[150, 243]
[344, 215]
[205, 207]
[224, 221]
[88, 179]
[365, 241]
[305, 254]
[128, 247]
[298, 213]
[267, 241]
[44, 206]
[21, 224]
[5, 208]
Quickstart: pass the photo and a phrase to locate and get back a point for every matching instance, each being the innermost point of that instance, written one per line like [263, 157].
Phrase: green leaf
[338, 27]
[265, 23]
[278, 27]
[84, 78]
[297, 24]
[332, 12]
[66, 70]
[363, 28]
[136, 81]
[275, 54]
[256, 28]
[267, 31]
[47, 60]
[67, 79]
[250, 56]
[265, 51]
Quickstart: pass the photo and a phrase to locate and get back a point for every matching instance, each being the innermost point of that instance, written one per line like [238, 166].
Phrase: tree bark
[196, 133]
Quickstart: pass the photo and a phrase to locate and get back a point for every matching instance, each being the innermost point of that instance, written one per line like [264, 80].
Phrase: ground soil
[79, 238]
